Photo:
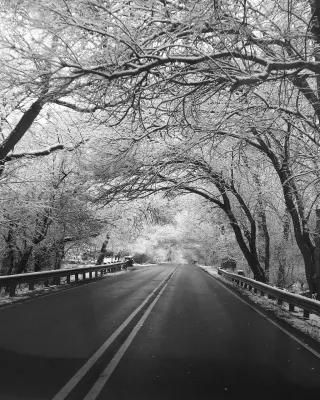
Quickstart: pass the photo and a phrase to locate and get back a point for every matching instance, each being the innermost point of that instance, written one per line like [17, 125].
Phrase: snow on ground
[23, 293]
[143, 265]
[310, 326]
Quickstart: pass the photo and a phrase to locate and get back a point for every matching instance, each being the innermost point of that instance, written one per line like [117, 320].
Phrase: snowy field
[309, 326]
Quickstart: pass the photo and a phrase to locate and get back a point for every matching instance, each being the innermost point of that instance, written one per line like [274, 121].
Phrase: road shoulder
[276, 314]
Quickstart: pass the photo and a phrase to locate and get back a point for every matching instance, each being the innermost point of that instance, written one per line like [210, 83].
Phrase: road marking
[64, 392]
[104, 377]
[314, 352]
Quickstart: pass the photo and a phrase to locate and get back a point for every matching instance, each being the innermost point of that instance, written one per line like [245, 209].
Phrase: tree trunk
[59, 255]
[40, 258]
[317, 252]
[21, 266]
[8, 258]
[103, 251]
[250, 252]
[59, 251]
[295, 207]
[280, 282]
[263, 230]
[251, 258]
[21, 128]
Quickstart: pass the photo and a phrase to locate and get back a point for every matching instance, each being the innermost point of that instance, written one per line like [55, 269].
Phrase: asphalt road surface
[160, 332]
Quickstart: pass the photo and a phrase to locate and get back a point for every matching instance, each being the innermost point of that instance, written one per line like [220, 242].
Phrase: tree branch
[43, 152]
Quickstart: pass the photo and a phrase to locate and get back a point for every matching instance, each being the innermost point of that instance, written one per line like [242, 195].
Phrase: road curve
[193, 339]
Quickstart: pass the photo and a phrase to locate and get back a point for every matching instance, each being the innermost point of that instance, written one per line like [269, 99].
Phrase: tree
[172, 69]
[172, 171]
[42, 214]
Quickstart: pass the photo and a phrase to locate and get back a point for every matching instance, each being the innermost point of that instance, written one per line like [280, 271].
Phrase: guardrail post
[90, 274]
[12, 291]
[56, 281]
[250, 287]
[261, 293]
[306, 313]
[46, 282]
[76, 277]
[68, 279]
[255, 290]
[279, 302]
[84, 276]
[31, 285]
[291, 307]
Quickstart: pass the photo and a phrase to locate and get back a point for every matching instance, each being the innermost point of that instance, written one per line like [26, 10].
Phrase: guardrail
[294, 300]
[12, 281]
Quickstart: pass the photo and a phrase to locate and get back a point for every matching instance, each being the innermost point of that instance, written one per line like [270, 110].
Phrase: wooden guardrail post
[68, 278]
[12, 291]
[31, 285]
[56, 281]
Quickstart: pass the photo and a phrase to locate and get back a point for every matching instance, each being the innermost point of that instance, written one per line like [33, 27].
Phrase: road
[191, 339]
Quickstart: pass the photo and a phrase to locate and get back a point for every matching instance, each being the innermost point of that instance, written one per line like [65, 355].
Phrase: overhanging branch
[43, 152]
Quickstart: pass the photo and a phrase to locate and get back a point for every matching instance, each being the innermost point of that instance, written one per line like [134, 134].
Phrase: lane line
[70, 385]
[104, 377]
[314, 352]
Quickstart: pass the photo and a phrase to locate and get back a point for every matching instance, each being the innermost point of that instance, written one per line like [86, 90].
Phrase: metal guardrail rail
[12, 281]
[294, 300]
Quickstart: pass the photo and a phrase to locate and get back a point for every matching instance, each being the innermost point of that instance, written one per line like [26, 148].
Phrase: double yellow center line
[102, 380]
